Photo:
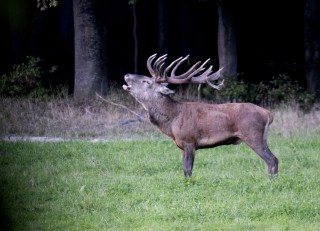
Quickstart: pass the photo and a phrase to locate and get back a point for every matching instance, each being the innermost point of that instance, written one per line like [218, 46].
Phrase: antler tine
[190, 73]
[216, 86]
[171, 64]
[149, 65]
[158, 64]
[155, 68]
[199, 69]
[215, 75]
[159, 61]
[176, 67]
[161, 71]
[195, 73]
[203, 77]
[185, 76]
[208, 77]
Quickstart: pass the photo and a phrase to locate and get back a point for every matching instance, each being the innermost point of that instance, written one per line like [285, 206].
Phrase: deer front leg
[188, 159]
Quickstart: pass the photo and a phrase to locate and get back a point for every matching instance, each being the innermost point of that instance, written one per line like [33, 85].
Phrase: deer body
[195, 125]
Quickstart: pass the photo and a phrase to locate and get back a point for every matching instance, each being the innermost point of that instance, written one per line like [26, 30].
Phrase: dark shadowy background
[269, 35]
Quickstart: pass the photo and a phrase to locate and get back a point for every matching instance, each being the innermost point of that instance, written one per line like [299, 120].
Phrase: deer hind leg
[258, 142]
[188, 159]
[264, 152]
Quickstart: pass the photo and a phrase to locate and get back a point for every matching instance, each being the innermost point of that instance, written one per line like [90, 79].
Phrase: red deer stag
[196, 125]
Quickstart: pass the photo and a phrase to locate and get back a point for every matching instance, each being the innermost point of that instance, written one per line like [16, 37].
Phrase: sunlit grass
[139, 185]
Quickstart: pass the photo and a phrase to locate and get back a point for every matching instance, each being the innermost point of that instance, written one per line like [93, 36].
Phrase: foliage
[25, 79]
[280, 90]
[45, 4]
[139, 185]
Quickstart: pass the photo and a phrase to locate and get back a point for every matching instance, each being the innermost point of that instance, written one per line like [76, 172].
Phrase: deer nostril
[127, 76]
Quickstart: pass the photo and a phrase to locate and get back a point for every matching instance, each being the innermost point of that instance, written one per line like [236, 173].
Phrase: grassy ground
[135, 180]
[139, 185]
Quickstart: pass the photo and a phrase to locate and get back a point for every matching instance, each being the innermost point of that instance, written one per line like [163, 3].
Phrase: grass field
[139, 185]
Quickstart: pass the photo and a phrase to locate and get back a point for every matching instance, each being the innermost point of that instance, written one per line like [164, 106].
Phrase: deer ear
[165, 91]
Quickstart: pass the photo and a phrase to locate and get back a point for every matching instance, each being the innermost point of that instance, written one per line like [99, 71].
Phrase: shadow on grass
[5, 216]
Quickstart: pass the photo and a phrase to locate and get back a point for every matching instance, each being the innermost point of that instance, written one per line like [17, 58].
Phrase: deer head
[143, 87]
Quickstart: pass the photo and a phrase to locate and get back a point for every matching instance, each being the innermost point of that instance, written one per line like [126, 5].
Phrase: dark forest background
[269, 36]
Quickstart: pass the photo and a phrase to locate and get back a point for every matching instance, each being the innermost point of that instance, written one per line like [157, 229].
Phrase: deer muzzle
[124, 86]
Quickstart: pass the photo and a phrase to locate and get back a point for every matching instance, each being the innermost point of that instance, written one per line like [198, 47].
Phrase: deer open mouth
[126, 87]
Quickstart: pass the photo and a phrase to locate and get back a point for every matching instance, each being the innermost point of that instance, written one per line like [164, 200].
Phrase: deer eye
[146, 81]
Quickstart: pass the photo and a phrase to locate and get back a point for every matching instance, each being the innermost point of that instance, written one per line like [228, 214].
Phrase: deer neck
[162, 112]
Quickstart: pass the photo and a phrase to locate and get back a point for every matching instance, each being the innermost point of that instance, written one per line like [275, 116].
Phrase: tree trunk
[90, 49]
[227, 48]
[312, 46]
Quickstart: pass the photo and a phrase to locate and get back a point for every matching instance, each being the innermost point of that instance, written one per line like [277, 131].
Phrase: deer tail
[266, 127]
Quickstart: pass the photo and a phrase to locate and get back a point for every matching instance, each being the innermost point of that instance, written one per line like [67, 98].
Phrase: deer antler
[195, 74]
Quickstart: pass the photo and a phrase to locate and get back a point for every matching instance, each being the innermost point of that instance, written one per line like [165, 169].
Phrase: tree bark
[227, 48]
[312, 46]
[90, 49]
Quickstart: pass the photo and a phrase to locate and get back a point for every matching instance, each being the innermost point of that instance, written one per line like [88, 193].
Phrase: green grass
[139, 185]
